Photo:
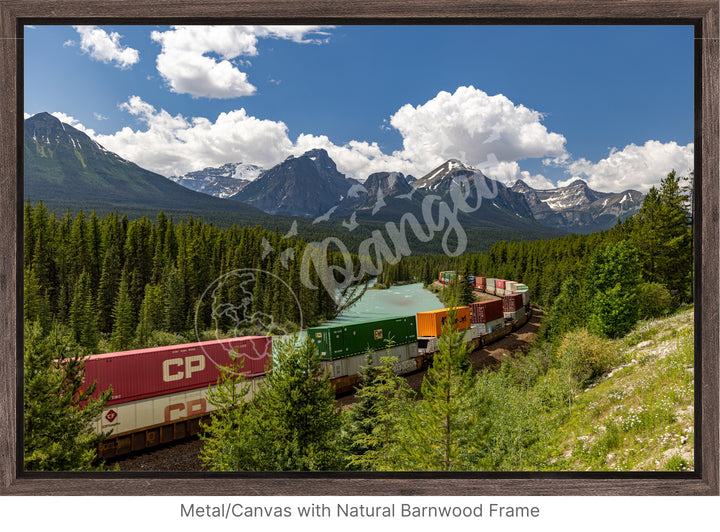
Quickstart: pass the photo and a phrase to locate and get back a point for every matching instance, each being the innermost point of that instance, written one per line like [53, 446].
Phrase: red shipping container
[485, 311]
[500, 283]
[512, 302]
[480, 283]
[156, 371]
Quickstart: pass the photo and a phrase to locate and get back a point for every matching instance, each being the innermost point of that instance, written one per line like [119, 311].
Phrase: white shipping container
[525, 296]
[490, 282]
[143, 413]
[510, 287]
[353, 365]
[517, 315]
[496, 324]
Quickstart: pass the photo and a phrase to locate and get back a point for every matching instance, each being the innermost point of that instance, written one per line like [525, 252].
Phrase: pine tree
[228, 443]
[372, 427]
[123, 318]
[611, 288]
[299, 424]
[567, 312]
[151, 316]
[446, 429]
[58, 435]
[83, 317]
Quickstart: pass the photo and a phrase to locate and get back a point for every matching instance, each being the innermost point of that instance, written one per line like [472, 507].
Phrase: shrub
[586, 357]
[654, 300]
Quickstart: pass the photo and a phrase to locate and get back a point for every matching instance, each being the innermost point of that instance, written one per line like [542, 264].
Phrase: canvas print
[358, 248]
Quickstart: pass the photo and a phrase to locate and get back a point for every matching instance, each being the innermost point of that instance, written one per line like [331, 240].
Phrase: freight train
[160, 394]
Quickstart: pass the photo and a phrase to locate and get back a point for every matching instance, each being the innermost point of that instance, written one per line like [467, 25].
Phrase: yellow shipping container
[430, 323]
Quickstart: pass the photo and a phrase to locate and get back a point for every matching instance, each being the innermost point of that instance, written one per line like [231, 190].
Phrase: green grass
[639, 417]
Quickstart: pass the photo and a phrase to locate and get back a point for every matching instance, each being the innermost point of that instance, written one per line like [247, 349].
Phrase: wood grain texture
[702, 13]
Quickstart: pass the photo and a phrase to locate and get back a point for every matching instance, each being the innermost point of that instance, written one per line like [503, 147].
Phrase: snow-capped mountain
[223, 181]
[577, 205]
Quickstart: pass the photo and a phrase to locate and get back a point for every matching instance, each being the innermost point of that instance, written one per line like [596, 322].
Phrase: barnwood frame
[702, 14]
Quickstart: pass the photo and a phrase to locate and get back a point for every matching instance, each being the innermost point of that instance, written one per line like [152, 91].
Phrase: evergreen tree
[447, 428]
[372, 426]
[567, 312]
[123, 318]
[228, 443]
[298, 423]
[83, 318]
[611, 287]
[58, 435]
[151, 314]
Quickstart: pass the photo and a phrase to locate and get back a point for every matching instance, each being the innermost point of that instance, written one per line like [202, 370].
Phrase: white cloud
[186, 64]
[106, 48]
[634, 167]
[509, 172]
[99, 116]
[67, 119]
[175, 145]
[472, 126]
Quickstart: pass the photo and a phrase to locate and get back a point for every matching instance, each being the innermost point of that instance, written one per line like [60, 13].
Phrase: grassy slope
[639, 416]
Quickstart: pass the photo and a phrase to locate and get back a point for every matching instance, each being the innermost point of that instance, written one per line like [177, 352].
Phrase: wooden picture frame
[701, 14]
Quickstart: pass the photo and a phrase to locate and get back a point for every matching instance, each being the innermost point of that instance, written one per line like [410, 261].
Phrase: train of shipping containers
[338, 341]
[430, 323]
[480, 283]
[156, 371]
[500, 287]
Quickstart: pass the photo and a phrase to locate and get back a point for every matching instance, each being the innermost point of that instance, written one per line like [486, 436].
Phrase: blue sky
[609, 104]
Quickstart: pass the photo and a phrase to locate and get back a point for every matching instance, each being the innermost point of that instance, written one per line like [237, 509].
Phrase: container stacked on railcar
[160, 389]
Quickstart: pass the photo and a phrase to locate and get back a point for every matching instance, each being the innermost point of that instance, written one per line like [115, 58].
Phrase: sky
[612, 105]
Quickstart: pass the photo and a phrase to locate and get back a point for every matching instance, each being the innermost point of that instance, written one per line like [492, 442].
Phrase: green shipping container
[339, 341]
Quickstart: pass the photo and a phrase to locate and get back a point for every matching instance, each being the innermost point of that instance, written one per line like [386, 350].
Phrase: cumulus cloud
[472, 126]
[106, 47]
[175, 145]
[509, 172]
[187, 64]
[67, 119]
[634, 167]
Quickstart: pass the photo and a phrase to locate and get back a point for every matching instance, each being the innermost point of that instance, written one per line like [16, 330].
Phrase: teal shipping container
[338, 341]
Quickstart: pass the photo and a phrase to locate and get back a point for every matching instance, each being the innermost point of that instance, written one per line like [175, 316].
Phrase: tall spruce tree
[372, 425]
[228, 443]
[123, 331]
[298, 425]
[611, 288]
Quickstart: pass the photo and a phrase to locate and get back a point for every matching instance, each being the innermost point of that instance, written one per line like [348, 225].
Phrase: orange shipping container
[430, 323]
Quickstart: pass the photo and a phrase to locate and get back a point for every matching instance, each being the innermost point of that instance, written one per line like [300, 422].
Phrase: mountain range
[67, 169]
[310, 185]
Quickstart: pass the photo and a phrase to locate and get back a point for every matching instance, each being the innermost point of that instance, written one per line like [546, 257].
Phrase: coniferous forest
[118, 284]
